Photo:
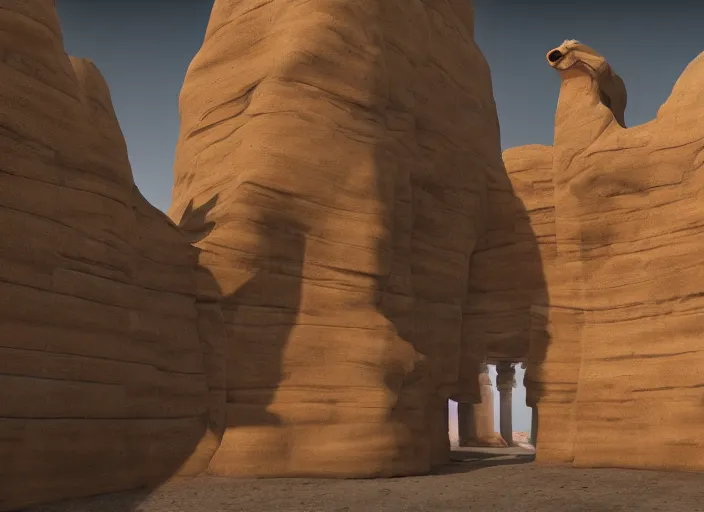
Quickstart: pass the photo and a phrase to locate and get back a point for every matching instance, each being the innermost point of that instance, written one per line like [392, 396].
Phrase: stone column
[476, 421]
[484, 411]
[438, 415]
[534, 426]
[466, 424]
[505, 382]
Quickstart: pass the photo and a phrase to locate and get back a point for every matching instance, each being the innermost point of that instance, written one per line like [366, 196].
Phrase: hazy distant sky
[143, 48]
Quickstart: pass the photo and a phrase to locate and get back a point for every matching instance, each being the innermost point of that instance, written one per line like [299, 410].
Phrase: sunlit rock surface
[617, 361]
[335, 155]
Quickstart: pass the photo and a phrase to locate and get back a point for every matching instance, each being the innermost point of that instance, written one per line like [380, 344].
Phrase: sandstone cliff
[339, 152]
[620, 380]
[507, 275]
[102, 384]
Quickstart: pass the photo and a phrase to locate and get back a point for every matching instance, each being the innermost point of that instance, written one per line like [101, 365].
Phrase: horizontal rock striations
[619, 381]
[337, 154]
[509, 265]
[102, 383]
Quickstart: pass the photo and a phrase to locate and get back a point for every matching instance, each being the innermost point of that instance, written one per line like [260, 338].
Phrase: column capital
[505, 376]
[483, 367]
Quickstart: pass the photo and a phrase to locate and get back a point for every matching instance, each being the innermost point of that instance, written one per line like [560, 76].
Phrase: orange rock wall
[102, 384]
[617, 362]
[335, 156]
[509, 266]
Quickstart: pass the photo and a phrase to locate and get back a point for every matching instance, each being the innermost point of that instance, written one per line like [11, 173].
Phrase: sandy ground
[479, 480]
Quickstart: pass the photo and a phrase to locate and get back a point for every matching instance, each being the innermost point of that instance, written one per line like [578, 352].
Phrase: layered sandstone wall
[332, 175]
[339, 152]
[621, 380]
[102, 385]
[551, 376]
[509, 265]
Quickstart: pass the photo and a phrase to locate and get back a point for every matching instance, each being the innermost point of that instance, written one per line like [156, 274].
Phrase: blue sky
[143, 48]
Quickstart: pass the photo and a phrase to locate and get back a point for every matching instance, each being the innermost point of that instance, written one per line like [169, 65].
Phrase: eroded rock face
[338, 153]
[508, 270]
[575, 56]
[102, 385]
[621, 380]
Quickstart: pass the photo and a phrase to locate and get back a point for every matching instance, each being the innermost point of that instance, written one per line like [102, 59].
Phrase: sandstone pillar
[534, 426]
[505, 382]
[476, 421]
[466, 424]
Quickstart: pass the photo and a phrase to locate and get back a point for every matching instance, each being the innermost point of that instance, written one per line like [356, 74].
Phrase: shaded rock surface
[337, 153]
[620, 380]
[102, 384]
[507, 275]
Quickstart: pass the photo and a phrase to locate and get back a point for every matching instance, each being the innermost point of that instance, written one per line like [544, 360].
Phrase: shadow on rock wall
[102, 385]
[626, 296]
[338, 337]
[316, 330]
[508, 296]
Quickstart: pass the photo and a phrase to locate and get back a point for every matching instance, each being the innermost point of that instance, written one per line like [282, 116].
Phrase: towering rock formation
[339, 153]
[102, 384]
[340, 192]
[620, 380]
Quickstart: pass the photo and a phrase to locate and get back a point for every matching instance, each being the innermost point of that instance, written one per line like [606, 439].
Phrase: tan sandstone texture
[334, 156]
[509, 264]
[617, 361]
[102, 383]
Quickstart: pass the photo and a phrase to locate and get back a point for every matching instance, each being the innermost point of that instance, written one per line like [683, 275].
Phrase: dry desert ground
[478, 480]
